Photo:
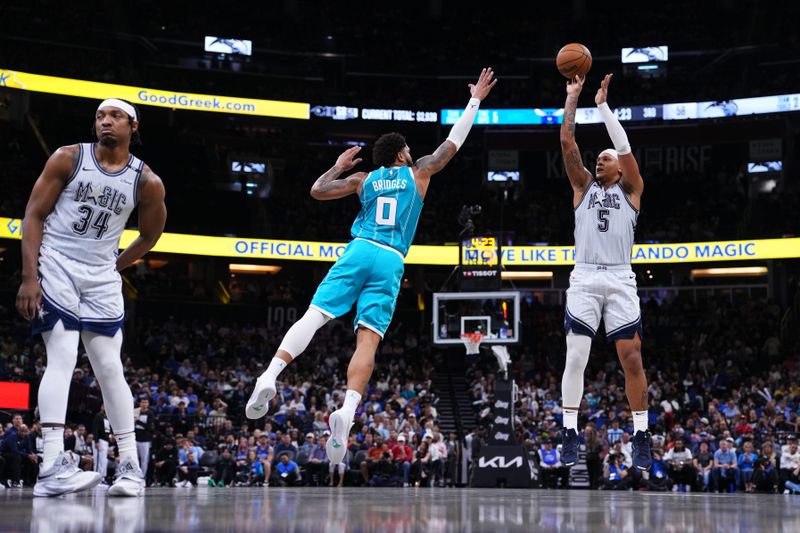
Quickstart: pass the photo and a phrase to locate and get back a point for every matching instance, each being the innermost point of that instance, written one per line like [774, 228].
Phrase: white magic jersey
[604, 226]
[89, 216]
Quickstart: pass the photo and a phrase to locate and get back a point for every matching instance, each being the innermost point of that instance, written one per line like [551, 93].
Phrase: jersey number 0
[386, 213]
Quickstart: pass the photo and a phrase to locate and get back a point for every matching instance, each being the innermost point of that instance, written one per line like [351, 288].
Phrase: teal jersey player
[369, 272]
[390, 208]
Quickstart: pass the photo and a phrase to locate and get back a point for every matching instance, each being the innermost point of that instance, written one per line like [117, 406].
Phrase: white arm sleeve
[460, 130]
[615, 130]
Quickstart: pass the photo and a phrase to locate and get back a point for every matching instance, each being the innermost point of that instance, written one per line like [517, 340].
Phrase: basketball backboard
[495, 314]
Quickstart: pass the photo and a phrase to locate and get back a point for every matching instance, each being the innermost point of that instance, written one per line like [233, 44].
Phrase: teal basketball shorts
[367, 274]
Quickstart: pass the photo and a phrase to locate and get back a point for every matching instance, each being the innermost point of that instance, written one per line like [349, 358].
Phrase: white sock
[126, 442]
[275, 367]
[53, 438]
[571, 419]
[351, 401]
[639, 421]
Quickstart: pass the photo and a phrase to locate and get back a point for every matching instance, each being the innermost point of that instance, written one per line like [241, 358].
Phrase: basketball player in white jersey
[602, 284]
[71, 288]
[370, 270]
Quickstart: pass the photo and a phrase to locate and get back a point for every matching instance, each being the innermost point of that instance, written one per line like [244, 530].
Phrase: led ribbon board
[529, 256]
[12, 79]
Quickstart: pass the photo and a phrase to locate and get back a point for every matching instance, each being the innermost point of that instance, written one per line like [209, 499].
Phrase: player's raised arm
[328, 187]
[632, 182]
[48, 187]
[427, 166]
[578, 176]
[152, 217]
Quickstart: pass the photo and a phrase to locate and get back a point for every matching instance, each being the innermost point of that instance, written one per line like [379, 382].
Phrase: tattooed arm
[579, 176]
[328, 187]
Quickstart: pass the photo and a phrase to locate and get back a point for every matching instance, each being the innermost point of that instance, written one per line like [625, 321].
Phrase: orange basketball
[573, 60]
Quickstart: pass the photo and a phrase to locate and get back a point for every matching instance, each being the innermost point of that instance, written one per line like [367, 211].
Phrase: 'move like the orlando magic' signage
[531, 256]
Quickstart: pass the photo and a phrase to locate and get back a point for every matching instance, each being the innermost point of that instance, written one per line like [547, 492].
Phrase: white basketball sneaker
[129, 480]
[336, 447]
[258, 404]
[63, 477]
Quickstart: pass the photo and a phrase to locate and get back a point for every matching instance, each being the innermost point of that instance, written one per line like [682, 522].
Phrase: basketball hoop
[472, 341]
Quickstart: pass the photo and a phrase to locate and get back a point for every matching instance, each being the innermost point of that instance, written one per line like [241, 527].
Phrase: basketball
[573, 60]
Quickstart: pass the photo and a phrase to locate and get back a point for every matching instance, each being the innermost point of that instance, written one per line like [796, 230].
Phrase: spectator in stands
[308, 446]
[188, 446]
[145, 425]
[319, 425]
[224, 470]
[189, 470]
[658, 479]
[765, 475]
[286, 473]
[384, 472]
[166, 464]
[680, 467]
[374, 454]
[285, 445]
[725, 474]
[453, 459]
[614, 433]
[703, 463]
[318, 463]
[22, 463]
[100, 429]
[419, 475]
[594, 460]
[790, 464]
[255, 470]
[615, 474]
[551, 468]
[438, 457]
[402, 455]
[747, 463]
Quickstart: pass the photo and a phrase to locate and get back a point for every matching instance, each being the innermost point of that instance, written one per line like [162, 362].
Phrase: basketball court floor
[398, 510]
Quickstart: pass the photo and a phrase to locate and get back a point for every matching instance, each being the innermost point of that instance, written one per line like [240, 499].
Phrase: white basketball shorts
[607, 292]
[83, 297]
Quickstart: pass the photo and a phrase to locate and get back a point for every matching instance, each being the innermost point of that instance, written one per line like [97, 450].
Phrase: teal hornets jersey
[390, 208]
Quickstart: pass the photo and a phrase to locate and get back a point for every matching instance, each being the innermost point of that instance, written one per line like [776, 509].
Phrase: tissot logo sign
[499, 462]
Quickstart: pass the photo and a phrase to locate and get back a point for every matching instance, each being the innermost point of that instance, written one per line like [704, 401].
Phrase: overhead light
[730, 272]
[238, 268]
[521, 275]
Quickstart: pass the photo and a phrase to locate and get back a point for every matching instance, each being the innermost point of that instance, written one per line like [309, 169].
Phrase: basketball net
[472, 342]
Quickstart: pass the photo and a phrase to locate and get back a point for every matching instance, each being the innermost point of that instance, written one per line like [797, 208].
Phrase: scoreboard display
[479, 263]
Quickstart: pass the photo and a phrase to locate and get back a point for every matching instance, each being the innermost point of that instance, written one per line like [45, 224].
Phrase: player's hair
[136, 138]
[386, 147]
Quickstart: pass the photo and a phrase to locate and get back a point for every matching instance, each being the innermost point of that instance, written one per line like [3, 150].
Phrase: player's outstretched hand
[29, 298]
[345, 161]
[575, 85]
[481, 88]
[602, 92]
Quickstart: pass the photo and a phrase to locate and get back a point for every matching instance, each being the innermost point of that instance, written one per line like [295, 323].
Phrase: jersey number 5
[386, 211]
[602, 217]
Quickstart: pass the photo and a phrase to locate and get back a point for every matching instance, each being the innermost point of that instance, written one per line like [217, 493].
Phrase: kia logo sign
[501, 420]
[501, 405]
[499, 462]
[501, 436]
